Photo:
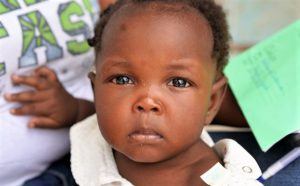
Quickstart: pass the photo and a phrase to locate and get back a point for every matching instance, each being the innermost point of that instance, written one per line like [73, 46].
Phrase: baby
[157, 82]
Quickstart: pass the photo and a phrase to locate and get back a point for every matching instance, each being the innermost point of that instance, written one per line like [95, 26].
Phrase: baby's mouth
[145, 136]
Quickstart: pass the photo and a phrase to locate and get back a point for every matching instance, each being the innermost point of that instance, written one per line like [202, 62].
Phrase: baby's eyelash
[121, 80]
[124, 79]
[179, 82]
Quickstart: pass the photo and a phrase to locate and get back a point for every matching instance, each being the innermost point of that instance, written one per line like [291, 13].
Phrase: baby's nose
[146, 105]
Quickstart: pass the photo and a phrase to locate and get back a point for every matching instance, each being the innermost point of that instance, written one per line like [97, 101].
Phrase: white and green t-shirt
[35, 33]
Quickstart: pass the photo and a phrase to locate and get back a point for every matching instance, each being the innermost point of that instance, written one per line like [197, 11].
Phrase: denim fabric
[290, 175]
[58, 174]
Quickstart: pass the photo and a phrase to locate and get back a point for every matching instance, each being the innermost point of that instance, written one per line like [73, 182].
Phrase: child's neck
[184, 169]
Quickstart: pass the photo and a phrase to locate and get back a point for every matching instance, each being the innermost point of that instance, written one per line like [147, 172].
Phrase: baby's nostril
[140, 108]
[154, 109]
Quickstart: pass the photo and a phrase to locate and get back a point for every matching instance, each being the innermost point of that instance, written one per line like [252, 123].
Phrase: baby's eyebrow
[187, 67]
[121, 64]
[116, 64]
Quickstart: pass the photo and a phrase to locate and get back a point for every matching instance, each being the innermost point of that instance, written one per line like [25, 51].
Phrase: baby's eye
[179, 82]
[122, 80]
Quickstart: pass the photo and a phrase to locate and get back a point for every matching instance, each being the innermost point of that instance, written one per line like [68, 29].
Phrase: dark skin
[50, 105]
[155, 92]
[230, 112]
[185, 171]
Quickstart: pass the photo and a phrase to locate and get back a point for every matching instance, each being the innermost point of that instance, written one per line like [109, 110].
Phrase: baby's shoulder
[239, 167]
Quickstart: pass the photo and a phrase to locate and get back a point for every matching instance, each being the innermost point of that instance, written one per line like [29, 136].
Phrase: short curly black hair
[212, 12]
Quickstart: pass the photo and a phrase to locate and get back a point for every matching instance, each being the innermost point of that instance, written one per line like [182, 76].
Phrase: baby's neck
[184, 169]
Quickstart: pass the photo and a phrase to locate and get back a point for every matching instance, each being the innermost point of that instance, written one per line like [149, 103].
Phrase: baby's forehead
[159, 15]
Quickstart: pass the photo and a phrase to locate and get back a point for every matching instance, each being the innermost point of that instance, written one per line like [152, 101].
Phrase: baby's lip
[145, 136]
[145, 131]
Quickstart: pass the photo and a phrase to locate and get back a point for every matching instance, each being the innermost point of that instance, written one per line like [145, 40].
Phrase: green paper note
[266, 83]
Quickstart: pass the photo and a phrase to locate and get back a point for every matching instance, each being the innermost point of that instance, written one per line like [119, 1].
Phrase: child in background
[157, 82]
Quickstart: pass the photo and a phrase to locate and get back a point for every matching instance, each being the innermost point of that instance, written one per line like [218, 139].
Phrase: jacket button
[247, 169]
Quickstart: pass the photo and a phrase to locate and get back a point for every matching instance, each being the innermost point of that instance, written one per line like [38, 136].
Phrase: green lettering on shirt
[91, 8]
[3, 32]
[31, 2]
[74, 28]
[88, 5]
[37, 33]
[2, 69]
[8, 6]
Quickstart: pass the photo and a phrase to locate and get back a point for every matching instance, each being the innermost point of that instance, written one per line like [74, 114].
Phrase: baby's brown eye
[179, 82]
[122, 80]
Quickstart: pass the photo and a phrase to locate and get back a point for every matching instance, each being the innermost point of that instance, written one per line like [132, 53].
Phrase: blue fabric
[286, 177]
[58, 174]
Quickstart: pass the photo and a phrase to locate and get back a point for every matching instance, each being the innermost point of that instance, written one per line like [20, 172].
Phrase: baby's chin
[144, 155]
[145, 159]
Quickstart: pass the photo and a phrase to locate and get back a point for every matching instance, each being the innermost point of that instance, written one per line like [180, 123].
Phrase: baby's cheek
[112, 128]
[107, 133]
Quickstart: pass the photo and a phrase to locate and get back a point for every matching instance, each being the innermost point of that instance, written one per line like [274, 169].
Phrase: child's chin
[145, 158]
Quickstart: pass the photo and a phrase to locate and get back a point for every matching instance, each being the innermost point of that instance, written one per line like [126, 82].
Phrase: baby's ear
[216, 98]
[92, 76]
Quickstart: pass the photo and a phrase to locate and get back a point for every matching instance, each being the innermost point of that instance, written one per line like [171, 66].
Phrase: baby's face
[153, 84]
